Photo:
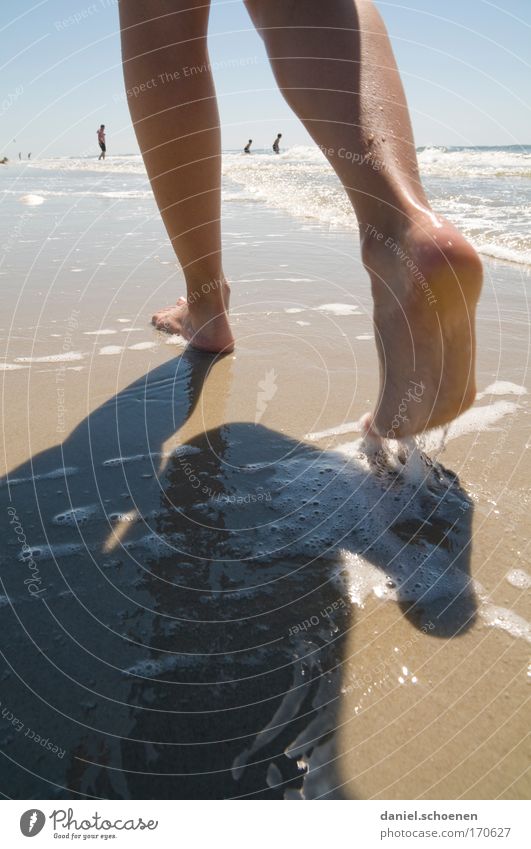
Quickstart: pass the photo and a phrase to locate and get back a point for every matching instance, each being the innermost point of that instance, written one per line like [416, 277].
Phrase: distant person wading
[101, 142]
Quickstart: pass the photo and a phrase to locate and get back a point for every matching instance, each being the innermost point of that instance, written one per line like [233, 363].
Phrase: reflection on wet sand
[196, 589]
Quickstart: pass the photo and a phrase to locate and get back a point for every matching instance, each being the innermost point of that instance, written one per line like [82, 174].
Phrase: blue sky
[465, 65]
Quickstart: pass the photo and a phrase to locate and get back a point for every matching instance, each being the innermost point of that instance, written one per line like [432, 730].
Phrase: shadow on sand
[180, 607]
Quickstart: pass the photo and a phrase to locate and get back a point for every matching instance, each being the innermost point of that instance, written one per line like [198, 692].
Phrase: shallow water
[182, 609]
[485, 191]
[224, 565]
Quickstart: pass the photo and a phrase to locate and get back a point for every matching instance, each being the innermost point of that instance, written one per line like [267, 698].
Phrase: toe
[159, 320]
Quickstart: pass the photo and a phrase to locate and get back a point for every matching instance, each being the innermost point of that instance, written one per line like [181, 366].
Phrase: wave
[485, 191]
[496, 218]
[475, 162]
[130, 164]
[513, 161]
[112, 195]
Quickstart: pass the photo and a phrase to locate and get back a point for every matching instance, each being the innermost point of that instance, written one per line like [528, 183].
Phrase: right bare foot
[204, 323]
[426, 281]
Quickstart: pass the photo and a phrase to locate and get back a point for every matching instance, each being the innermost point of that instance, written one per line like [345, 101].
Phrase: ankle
[207, 293]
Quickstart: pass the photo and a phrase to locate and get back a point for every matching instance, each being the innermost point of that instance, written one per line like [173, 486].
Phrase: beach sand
[228, 594]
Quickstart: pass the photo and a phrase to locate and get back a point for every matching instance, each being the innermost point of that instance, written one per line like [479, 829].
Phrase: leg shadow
[175, 625]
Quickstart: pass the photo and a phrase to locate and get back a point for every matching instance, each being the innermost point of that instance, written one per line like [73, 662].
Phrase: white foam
[107, 331]
[151, 668]
[520, 579]
[505, 620]
[123, 320]
[303, 323]
[472, 421]
[51, 552]
[110, 350]
[66, 472]
[502, 387]
[142, 346]
[10, 366]
[175, 339]
[31, 200]
[66, 357]
[179, 451]
[293, 310]
[365, 336]
[338, 430]
[77, 515]
[339, 309]
[365, 580]
[293, 280]
[131, 517]
[475, 420]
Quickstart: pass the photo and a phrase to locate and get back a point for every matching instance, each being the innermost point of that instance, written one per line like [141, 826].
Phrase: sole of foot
[426, 282]
[203, 324]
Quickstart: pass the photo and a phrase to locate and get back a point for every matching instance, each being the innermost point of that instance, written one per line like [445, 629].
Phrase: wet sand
[228, 594]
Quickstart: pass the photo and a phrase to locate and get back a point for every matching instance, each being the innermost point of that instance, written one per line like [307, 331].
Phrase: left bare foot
[426, 282]
[204, 324]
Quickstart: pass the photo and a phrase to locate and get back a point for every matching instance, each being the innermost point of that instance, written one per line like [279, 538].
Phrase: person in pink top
[101, 142]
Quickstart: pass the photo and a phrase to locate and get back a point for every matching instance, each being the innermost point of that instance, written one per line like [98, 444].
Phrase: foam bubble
[66, 472]
[110, 350]
[142, 346]
[348, 427]
[502, 387]
[77, 515]
[68, 356]
[31, 200]
[179, 451]
[505, 620]
[520, 579]
[106, 331]
[339, 309]
[151, 668]
[51, 552]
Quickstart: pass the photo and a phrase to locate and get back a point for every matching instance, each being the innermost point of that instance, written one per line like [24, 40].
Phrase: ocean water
[485, 191]
[173, 656]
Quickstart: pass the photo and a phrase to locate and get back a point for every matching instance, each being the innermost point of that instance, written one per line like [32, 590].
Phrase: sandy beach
[212, 587]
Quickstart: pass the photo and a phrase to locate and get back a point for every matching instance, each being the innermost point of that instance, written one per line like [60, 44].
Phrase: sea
[485, 191]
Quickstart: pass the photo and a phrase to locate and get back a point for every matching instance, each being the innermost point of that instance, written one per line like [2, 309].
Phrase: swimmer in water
[425, 277]
[247, 148]
[276, 143]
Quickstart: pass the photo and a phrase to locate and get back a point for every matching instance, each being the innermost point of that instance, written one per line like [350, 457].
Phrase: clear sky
[465, 65]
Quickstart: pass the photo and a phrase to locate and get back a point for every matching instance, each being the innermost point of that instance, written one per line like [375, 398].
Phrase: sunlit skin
[334, 65]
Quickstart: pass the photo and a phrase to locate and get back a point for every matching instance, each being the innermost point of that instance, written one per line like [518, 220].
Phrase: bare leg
[335, 66]
[176, 121]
